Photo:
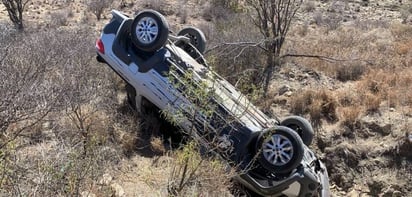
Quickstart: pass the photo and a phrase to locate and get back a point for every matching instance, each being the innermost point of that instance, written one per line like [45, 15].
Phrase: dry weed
[193, 174]
[391, 85]
[350, 72]
[347, 98]
[403, 47]
[161, 6]
[401, 31]
[60, 18]
[128, 143]
[317, 104]
[350, 115]
[372, 102]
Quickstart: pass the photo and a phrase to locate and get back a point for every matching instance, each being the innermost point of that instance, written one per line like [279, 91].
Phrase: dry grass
[356, 50]
[391, 85]
[350, 115]
[193, 174]
[376, 58]
[377, 63]
[319, 105]
[350, 72]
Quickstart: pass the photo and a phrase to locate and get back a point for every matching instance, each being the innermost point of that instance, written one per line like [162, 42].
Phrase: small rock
[106, 179]
[392, 109]
[118, 190]
[47, 125]
[381, 128]
[397, 194]
[288, 93]
[353, 193]
[282, 90]
[291, 75]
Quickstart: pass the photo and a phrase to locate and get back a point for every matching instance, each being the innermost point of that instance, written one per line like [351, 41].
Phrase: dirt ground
[376, 160]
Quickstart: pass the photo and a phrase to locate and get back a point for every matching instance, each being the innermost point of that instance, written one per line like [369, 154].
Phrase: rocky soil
[371, 157]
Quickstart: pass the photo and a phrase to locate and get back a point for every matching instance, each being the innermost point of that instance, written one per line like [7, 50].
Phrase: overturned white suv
[272, 156]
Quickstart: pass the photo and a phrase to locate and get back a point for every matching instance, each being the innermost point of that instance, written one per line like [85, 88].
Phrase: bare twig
[236, 44]
[325, 58]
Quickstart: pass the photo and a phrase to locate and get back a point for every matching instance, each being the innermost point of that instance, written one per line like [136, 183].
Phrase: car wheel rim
[278, 150]
[193, 39]
[147, 30]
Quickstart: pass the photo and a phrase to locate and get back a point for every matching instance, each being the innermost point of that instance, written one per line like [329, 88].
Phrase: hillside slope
[355, 89]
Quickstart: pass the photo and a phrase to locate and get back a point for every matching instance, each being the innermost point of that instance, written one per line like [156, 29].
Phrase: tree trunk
[267, 73]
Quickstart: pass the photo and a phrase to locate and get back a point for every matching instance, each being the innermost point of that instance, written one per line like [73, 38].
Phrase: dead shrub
[404, 47]
[159, 5]
[235, 60]
[318, 105]
[390, 85]
[372, 102]
[401, 31]
[350, 116]
[217, 10]
[193, 174]
[128, 143]
[332, 21]
[376, 82]
[97, 7]
[309, 6]
[405, 12]
[234, 5]
[215, 13]
[183, 13]
[347, 98]
[318, 18]
[60, 18]
[303, 30]
[350, 72]
[64, 87]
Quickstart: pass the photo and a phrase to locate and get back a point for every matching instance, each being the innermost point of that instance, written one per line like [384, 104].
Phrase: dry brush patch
[355, 51]
[57, 141]
[391, 86]
[319, 105]
[196, 174]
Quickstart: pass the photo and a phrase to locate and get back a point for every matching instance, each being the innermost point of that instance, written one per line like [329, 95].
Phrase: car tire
[196, 36]
[301, 126]
[197, 39]
[150, 30]
[280, 150]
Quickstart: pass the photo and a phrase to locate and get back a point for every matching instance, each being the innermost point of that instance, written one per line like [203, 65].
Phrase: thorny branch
[242, 46]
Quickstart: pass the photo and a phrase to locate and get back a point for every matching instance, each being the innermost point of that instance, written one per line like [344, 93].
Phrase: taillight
[100, 46]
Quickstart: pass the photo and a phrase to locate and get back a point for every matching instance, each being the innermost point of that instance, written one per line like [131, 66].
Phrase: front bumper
[305, 181]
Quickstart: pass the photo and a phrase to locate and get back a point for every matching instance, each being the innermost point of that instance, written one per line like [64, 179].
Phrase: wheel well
[148, 104]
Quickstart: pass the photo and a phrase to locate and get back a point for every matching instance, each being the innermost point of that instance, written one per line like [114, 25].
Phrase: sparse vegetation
[159, 5]
[347, 72]
[97, 7]
[63, 122]
[59, 18]
[193, 174]
[319, 105]
[50, 105]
